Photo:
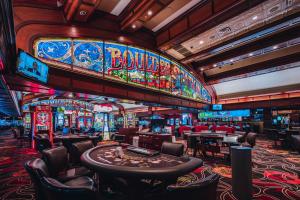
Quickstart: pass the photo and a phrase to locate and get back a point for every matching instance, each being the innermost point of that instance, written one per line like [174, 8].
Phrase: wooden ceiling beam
[277, 37]
[135, 13]
[80, 10]
[201, 18]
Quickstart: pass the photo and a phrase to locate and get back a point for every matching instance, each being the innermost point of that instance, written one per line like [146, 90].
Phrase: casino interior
[149, 99]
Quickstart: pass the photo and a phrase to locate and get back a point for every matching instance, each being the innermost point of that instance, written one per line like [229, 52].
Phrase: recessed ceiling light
[149, 12]
[231, 60]
[133, 26]
[70, 95]
[215, 65]
[275, 47]
[202, 69]
[250, 54]
[83, 12]
[121, 39]
[201, 42]
[254, 17]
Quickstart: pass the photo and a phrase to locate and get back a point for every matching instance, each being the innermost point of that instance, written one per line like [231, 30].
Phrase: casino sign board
[122, 63]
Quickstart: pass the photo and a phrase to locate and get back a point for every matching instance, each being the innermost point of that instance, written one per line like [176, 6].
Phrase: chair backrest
[202, 189]
[175, 149]
[251, 139]
[56, 159]
[242, 137]
[42, 142]
[78, 148]
[55, 190]
[119, 138]
[37, 169]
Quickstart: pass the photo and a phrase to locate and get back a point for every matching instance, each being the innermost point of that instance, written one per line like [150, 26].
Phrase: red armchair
[200, 128]
[183, 128]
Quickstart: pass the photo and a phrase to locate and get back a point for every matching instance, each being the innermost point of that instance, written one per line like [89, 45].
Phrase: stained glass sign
[123, 63]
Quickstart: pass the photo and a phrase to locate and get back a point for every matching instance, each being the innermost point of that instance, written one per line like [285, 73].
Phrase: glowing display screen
[32, 67]
[123, 63]
[222, 114]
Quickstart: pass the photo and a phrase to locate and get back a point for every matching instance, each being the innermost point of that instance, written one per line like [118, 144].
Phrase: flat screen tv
[32, 67]
[217, 107]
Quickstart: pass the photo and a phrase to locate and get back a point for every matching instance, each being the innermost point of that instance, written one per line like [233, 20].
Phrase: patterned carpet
[275, 172]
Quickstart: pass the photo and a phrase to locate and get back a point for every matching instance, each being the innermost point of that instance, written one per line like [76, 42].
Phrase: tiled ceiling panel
[253, 18]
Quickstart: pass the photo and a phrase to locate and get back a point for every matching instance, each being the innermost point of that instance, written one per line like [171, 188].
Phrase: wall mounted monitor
[32, 67]
[217, 107]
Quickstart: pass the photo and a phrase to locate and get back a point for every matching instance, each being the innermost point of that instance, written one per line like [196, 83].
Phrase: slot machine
[88, 120]
[59, 121]
[27, 122]
[99, 122]
[111, 122]
[42, 122]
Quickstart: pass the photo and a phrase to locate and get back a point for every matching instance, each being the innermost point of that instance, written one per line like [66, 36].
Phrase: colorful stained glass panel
[115, 61]
[136, 65]
[175, 79]
[88, 54]
[165, 74]
[186, 84]
[56, 50]
[152, 70]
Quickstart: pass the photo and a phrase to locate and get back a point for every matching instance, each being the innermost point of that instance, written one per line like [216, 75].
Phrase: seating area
[55, 176]
[287, 139]
[149, 100]
[283, 166]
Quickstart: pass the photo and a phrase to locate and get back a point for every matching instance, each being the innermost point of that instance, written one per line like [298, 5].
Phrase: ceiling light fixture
[231, 60]
[275, 47]
[254, 17]
[70, 95]
[121, 39]
[133, 26]
[83, 12]
[149, 12]
[250, 54]
[201, 42]
[202, 69]
[215, 65]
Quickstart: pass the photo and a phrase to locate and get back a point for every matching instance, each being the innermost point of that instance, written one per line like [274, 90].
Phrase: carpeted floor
[275, 172]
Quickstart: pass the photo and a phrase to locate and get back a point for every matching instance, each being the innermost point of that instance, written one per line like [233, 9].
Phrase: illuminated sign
[103, 108]
[222, 114]
[123, 63]
[60, 102]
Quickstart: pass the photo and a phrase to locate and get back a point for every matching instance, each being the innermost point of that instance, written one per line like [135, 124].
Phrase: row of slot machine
[103, 122]
[44, 118]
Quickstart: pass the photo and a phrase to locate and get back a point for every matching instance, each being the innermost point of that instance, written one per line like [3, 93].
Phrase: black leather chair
[201, 189]
[58, 164]
[36, 169]
[79, 148]
[71, 190]
[289, 137]
[118, 138]
[296, 142]
[242, 137]
[251, 139]
[175, 149]
[42, 142]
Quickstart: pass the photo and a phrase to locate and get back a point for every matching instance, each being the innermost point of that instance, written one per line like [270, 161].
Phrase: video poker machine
[84, 120]
[42, 122]
[27, 122]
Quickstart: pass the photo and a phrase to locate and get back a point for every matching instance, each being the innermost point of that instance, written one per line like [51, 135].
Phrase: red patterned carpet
[275, 172]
